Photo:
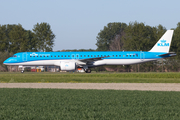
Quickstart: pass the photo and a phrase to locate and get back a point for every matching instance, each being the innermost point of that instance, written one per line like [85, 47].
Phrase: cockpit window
[14, 56]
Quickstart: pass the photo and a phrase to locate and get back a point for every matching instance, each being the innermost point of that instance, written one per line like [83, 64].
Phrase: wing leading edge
[89, 60]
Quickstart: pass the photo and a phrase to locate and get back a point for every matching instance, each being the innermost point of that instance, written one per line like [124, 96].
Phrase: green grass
[88, 104]
[6, 77]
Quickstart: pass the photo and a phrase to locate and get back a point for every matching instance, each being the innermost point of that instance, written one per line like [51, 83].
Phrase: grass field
[88, 104]
[6, 77]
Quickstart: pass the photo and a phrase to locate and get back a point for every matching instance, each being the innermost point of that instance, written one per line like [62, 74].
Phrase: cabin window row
[87, 56]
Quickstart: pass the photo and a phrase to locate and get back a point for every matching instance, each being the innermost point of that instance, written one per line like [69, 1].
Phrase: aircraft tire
[22, 71]
[88, 71]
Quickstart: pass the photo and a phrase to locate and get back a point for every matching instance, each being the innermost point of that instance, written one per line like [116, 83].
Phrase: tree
[44, 37]
[14, 38]
[108, 34]
[3, 39]
[4, 56]
[18, 39]
[138, 37]
[176, 41]
[172, 64]
[117, 43]
[32, 43]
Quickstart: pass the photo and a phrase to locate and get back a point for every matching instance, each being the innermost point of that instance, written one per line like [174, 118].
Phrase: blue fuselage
[25, 57]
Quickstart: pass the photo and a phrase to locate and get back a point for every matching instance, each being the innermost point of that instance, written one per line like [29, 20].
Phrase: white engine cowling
[68, 66]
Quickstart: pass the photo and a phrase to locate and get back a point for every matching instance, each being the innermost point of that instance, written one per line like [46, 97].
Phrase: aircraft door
[75, 56]
[142, 56]
[24, 57]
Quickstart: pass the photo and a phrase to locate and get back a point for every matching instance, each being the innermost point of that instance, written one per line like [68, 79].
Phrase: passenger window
[37, 56]
[104, 55]
[113, 55]
[84, 55]
[126, 55]
[72, 55]
[65, 56]
[81, 55]
[47, 56]
[98, 55]
[123, 55]
[130, 55]
[94, 55]
[77, 56]
[116, 55]
[58, 56]
[133, 55]
[33, 56]
[68, 55]
[44, 56]
[51, 55]
[136, 55]
[91, 55]
[61, 55]
[40, 56]
[30, 56]
[55, 56]
[119, 55]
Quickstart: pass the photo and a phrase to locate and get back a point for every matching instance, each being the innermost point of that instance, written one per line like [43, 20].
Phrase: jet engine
[68, 66]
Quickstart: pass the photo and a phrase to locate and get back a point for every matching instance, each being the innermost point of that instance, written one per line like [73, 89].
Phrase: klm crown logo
[34, 54]
[163, 43]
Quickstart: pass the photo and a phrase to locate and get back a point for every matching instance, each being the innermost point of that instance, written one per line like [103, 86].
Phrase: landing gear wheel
[22, 71]
[88, 71]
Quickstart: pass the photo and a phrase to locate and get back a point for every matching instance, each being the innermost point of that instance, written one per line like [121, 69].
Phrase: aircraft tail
[164, 42]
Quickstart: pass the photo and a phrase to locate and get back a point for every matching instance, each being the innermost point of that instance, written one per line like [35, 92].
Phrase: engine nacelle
[68, 66]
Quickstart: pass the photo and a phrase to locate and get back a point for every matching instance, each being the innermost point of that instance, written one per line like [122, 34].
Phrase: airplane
[71, 61]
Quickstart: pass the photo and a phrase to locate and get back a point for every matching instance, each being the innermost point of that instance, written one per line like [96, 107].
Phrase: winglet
[164, 42]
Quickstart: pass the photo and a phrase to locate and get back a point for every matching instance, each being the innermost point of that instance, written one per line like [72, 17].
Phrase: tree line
[14, 38]
[139, 37]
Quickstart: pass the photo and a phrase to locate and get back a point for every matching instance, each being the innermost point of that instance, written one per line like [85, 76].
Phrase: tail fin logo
[163, 43]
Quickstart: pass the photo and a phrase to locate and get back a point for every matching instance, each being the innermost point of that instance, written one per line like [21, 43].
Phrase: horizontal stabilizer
[168, 54]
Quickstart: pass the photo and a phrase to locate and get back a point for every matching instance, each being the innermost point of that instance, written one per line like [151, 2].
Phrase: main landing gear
[88, 71]
[22, 71]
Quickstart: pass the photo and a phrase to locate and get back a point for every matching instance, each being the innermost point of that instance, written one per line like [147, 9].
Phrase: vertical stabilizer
[164, 42]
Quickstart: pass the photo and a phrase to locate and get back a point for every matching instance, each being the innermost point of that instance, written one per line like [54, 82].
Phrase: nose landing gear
[21, 68]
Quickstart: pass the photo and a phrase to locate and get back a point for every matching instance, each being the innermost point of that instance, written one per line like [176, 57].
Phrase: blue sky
[76, 23]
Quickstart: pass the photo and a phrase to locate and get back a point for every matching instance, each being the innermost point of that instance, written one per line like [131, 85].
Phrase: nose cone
[5, 62]
[8, 61]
